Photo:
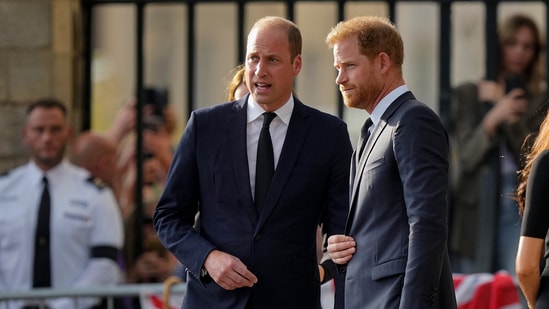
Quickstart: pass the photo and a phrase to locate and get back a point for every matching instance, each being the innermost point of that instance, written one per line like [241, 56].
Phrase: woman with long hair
[533, 200]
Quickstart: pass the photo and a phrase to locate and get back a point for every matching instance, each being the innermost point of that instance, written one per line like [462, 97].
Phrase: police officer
[58, 227]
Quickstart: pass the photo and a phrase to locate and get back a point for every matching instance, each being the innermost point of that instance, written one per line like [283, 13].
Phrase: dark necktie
[364, 135]
[265, 163]
[41, 270]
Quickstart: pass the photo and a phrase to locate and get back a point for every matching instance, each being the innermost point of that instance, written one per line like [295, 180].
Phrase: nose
[340, 78]
[261, 68]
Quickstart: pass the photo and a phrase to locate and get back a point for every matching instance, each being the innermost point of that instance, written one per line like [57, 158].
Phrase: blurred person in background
[492, 119]
[59, 228]
[98, 155]
[237, 86]
[159, 123]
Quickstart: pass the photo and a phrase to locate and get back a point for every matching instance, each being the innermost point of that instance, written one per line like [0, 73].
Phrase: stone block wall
[38, 57]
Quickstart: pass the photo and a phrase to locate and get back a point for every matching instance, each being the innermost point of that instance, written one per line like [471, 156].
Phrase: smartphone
[158, 99]
[514, 81]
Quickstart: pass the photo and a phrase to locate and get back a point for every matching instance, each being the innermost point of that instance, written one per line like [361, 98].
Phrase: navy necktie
[265, 163]
[364, 135]
[42, 258]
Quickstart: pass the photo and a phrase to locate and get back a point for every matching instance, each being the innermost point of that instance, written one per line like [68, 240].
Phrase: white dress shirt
[277, 128]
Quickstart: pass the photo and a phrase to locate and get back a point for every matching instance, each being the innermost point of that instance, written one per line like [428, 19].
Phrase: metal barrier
[109, 292]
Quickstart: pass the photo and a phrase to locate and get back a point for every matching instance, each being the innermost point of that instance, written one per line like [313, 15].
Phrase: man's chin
[49, 160]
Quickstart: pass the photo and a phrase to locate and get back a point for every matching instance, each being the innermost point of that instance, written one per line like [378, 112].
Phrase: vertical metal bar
[445, 56]
[290, 10]
[240, 31]
[340, 17]
[392, 10]
[139, 48]
[190, 55]
[87, 16]
[492, 46]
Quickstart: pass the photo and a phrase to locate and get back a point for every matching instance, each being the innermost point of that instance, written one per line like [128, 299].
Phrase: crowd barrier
[110, 293]
[473, 291]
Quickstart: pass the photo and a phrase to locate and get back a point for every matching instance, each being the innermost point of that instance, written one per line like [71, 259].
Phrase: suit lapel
[357, 175]
[237, 137]
[295, 138]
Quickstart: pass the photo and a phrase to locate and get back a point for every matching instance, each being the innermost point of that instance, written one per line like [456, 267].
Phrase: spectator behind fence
[492, 118]
[98, 155]
[533, 198]
[237, 86]
[58, 228]
[154, 263]
[394, 252]
[255, 246]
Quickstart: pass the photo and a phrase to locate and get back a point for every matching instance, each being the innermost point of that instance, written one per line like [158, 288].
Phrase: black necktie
[364, 135]
[265, 163]
[41, 270]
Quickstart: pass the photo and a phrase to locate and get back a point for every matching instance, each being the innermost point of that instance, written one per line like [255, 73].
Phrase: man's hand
[341, 248]
[228, 271]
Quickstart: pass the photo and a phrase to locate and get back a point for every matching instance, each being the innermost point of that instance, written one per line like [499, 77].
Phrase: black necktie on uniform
[264, 170]
[42, 259]
[364, 135]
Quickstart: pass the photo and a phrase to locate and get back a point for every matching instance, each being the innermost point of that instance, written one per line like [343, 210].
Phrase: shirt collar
[380, 108]
[284, 112]
[36, 174]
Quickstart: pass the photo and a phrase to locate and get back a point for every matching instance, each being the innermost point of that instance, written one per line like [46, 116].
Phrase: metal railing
[110, 293]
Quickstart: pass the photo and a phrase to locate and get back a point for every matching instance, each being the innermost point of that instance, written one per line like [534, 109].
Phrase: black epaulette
[98, 183]
[6, 173]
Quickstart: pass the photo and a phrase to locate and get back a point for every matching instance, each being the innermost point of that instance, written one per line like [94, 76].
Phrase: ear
[297, 64]
[384, 62]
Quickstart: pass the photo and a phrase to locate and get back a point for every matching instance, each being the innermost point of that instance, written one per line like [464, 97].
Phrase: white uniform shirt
[84, 217]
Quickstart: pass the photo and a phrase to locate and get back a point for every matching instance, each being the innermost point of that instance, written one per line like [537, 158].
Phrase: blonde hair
[540, 144]
[236, 81]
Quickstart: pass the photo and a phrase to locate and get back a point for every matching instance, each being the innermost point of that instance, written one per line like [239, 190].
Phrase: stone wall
[38, 57]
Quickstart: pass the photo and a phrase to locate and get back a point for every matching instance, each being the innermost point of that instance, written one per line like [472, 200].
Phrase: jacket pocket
[388, 269]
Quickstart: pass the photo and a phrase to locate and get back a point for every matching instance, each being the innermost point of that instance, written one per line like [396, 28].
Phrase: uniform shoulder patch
[98, 183]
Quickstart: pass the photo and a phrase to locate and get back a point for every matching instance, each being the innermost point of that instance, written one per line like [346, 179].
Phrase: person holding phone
[492, 119]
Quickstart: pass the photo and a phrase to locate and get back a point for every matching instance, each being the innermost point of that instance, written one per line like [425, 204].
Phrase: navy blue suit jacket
[399, 213]
[209, 174]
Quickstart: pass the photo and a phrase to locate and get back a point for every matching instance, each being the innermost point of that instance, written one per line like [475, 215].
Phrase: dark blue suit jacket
[399, 213]
[209, 174]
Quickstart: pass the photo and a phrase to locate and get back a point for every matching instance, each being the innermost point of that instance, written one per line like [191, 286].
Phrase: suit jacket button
[258, 237]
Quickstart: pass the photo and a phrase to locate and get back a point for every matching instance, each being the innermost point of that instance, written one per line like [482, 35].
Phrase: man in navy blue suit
[239, 255]
[394, 249]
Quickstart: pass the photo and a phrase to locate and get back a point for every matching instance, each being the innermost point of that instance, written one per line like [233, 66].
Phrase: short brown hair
[47, 103]
[375, 35]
